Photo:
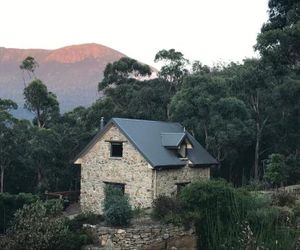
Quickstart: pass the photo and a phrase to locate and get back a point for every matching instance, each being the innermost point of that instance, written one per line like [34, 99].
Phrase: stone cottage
[143, 158]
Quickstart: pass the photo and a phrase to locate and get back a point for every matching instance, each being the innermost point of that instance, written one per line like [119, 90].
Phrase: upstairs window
[116, 149]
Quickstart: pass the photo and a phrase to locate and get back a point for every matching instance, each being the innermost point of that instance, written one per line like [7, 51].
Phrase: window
[116, 149]
[119, 186]
[180, 186]
[182, 151]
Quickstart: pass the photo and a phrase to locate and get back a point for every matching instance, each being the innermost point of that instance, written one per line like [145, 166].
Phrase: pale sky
[210, 31]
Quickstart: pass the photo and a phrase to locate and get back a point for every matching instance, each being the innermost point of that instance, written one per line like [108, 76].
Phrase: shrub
[257, 185]
[84, 218]
[165, 206]
[9, 204]
[41, 226]
[273, 228]
[116, 208]
[276, 171]
[296, 211]
[283, 198]
[217, 209]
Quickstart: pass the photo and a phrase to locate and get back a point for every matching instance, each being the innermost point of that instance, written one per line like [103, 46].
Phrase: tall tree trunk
[257, 148]
[40, 177]
[38, 118]
[2, 180]
[206, 137]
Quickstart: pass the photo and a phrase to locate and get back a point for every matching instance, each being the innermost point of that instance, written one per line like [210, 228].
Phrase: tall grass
[230, 218]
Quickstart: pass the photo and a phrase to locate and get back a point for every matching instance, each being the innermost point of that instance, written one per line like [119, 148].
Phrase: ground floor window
[120, 186]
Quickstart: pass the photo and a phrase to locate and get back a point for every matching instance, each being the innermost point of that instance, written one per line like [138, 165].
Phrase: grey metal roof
[146, 136]
[172, 140]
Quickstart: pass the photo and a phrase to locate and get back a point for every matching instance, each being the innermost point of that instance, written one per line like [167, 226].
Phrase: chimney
[102, 123]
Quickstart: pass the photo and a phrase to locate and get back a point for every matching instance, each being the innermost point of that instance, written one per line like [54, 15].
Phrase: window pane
[116, 149]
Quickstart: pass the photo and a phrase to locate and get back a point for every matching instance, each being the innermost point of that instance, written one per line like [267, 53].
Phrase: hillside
[71, 72]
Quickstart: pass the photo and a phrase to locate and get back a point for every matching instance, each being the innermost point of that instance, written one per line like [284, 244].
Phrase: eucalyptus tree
[221, 121]
[254, 83]
[7, 140]
[280, 35]
[28, 65]
[41, 102]
[174, 68]
[122, 71]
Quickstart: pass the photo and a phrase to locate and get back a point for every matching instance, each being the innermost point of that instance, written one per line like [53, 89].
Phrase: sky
[211, 31]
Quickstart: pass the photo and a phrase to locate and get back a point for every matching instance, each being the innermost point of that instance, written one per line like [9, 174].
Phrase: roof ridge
[134, 119]
[182, 132]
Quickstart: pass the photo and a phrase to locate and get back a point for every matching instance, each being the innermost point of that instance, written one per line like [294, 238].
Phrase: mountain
[71, 72]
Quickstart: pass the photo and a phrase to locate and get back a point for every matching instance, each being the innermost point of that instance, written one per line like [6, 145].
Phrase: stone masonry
[142, 183]
[142, 237]
[167, 180]
[98, 167]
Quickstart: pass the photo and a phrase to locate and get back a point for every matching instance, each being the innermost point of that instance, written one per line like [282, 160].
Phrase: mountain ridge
[71, 72]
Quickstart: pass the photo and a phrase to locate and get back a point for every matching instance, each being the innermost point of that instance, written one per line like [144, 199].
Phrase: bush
[276, 170]
[217, 210]
[257, 185]
[116, 209]
[41, 226]
[296, 211]
[9, 204]
[84, 218]
[282, 198]
[273, 228]
[165, 206]
[230, 218]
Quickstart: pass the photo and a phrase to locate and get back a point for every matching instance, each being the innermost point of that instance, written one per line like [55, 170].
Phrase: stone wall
[146, 237]
[166, 180]
[98, 167]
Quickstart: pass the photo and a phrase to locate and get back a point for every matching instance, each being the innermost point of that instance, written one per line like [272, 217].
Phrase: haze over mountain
[71, 72]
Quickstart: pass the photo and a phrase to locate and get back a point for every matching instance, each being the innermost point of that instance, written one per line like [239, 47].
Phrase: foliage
[116, 208]
[279, 37]
[276, 171]
[29, 64]
[9, 204]
[230, 218]
[40, 226]
[166, 207]
[84, 218]
[174, 68]
[282, 198]
[121, 71]
[256, 185]
[41, 102]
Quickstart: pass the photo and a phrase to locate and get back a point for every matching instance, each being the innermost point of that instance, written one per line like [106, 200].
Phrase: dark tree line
[247, 114]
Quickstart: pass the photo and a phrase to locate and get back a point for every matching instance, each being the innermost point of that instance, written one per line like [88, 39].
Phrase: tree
[41, 102]
[280, 36]
[254, 82]
[276, 171]
[174, 68]
[193, 104]
[122, 71]
[7, 140]
[43, 152]
[29, 64]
